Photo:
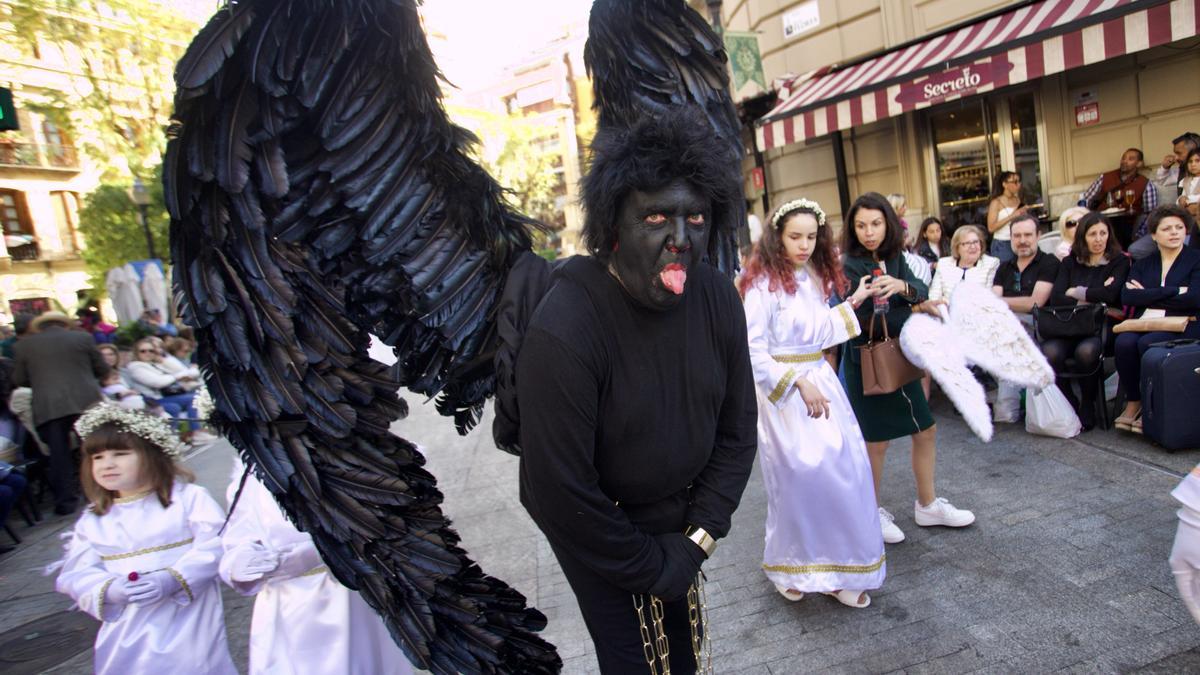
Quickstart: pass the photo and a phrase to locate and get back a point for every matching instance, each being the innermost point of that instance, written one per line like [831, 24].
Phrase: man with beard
[638, 415]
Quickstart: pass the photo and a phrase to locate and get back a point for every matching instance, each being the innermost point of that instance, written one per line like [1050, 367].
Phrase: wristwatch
[702, 538]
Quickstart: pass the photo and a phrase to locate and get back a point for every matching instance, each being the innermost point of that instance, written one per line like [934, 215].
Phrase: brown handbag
[884, 367]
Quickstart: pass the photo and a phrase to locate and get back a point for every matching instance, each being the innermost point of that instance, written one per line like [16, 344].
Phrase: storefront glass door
[973, 140]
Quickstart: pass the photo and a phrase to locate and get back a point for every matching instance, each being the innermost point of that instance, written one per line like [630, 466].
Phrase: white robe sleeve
[199, 565]
[244, 529]
[85, 580]
[773, 377]
[842, 325]
[1188, 490]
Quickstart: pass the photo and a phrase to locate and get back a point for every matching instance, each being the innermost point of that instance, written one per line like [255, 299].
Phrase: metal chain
[660, 635]
[698, 621]
[647, 643]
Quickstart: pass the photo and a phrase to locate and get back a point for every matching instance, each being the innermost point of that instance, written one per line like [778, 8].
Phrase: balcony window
[18, 229]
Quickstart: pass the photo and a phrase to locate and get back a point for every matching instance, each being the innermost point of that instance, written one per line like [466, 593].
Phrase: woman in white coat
[822, 532]
[966, 263]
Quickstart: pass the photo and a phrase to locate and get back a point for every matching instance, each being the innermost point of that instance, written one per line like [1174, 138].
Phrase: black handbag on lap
[1069, 321]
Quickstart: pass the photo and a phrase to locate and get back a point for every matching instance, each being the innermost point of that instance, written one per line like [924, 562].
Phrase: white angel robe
[822, 529]
[181, 633]
[308, 624]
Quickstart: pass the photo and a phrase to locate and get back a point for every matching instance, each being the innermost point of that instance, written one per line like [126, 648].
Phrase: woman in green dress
[873, 239]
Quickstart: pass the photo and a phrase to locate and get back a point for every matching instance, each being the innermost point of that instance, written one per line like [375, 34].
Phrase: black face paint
[661, 234]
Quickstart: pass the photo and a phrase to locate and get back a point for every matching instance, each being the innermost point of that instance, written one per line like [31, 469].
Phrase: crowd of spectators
[53, 367]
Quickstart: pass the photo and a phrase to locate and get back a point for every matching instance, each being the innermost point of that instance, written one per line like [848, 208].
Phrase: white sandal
[794, 596]
[849, 598]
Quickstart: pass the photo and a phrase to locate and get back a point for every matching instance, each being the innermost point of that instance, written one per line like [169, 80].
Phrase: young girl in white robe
[822, 531]
[144, 555]
[304, 622]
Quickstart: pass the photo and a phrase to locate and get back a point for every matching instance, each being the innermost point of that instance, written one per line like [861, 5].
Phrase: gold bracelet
[702, 538]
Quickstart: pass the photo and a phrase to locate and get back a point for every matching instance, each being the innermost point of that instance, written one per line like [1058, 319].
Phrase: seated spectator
[1094, 272]
[1166, 283]
[966, 261]
[1068, 221]
[12, 485]
[153, 322]
[112, 356]
[929, 241]
[154, 381]
[20, 329]
[177, 357]
[115, 389]
[1022, 282]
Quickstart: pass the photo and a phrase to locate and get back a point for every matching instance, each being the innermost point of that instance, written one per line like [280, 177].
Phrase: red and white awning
[1033, 41]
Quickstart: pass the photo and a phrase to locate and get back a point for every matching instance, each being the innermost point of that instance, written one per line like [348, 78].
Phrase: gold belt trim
[798, 358]
[827, 567]
[146, 551]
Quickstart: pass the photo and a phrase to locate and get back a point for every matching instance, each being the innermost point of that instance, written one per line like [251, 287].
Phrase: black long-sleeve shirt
[1072, 273]
[633, 422]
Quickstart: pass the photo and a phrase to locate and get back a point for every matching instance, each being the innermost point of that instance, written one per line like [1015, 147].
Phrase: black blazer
[1185, 272]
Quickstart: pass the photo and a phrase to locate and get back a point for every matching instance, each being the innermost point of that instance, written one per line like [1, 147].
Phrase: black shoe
[1087, 418]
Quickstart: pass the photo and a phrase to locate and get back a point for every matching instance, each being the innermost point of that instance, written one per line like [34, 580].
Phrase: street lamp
[141, 196]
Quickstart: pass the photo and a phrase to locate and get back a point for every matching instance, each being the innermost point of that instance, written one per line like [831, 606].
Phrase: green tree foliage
[111, 226]
[125, 51]
[526, 166]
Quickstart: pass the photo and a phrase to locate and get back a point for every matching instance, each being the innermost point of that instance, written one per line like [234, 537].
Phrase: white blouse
[949, 275]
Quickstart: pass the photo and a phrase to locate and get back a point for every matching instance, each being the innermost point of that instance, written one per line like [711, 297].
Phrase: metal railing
[25, 252]
[45, 155]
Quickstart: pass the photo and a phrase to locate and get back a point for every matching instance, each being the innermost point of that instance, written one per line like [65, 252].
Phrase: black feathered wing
[649, 56]
[318, 193]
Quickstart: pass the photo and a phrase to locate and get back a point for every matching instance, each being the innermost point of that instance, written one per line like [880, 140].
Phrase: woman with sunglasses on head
[158, 384]
[1005, 206]
[1068, 222]
[1094, 272]
[822, 533]
[872, 244]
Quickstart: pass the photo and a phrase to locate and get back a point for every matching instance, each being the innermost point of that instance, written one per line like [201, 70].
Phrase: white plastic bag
[1049, 413]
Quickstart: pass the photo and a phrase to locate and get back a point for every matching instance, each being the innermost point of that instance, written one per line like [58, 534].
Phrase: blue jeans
[1002, 249]
[178, 404]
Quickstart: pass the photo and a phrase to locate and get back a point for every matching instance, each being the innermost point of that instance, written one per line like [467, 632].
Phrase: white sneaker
[887, 523]
[941, 512]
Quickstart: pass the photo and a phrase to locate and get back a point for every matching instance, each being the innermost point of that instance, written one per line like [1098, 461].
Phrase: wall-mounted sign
[756, 178]
[8, 111]
[1087, 114]
[954, 82]
[745, 60]
[805, 17]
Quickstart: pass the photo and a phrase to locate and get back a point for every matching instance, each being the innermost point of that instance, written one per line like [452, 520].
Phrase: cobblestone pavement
[1065, 568]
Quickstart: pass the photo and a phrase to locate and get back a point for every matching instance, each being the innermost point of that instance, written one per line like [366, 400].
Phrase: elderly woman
[154, 381]
[1166, 283]
[966, 262]
[1068, 221]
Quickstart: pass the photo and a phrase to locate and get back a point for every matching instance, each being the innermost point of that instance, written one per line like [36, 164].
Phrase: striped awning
[1032, 41]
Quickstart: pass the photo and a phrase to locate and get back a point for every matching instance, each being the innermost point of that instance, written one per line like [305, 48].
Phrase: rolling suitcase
[1170, 388]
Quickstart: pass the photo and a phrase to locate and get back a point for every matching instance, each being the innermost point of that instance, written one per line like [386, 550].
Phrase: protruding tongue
[674, 276]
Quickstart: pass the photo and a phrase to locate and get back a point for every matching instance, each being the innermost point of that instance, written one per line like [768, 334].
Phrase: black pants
[613, 623]
[56, 434]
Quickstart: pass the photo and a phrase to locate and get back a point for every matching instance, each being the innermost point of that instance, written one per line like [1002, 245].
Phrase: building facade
[933, 98]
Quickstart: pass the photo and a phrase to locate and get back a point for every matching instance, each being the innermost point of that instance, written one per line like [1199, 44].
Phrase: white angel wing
[933, 346]
[993, 339]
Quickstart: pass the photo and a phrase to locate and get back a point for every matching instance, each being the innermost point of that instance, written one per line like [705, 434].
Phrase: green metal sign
[745, 59]
[8, 111]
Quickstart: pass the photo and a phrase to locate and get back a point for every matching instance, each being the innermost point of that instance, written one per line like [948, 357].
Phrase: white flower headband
[203, 403]
[152, 429]
[786, 210]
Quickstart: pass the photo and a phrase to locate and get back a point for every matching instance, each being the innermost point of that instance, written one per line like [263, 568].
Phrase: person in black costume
[638, 416]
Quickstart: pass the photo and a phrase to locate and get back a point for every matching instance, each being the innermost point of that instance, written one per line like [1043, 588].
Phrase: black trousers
[64, 480]
[613, 623]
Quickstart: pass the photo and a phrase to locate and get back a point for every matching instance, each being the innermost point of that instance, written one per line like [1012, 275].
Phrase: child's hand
[251, 565]
[297, 560]
[152, 587]
[118, 592]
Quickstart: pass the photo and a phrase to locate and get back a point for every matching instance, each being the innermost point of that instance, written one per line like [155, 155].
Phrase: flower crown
[203, 404]
[796, 204]
[151, 429]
